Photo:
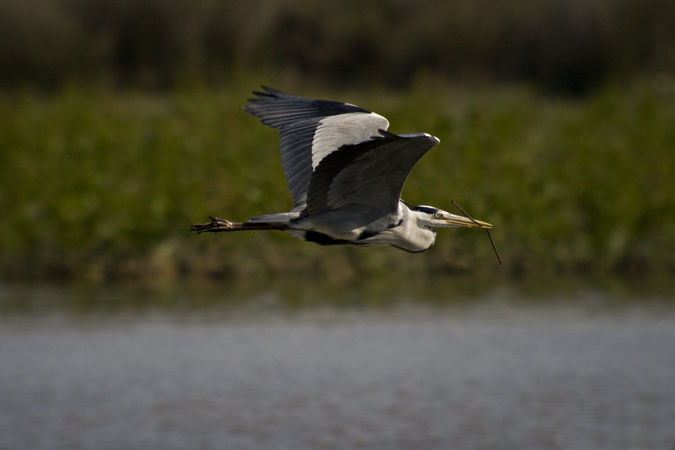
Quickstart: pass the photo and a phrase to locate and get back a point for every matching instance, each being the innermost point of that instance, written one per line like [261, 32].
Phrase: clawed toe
[215, 225]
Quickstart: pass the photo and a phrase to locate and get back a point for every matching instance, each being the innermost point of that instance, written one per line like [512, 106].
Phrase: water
[361, 368]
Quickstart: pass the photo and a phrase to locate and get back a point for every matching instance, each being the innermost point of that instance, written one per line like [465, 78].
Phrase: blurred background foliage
[567, 46]
[121, 124]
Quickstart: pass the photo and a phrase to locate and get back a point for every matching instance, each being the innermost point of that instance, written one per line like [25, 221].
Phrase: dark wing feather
[298, 119]
[370, 174]
[278, 109]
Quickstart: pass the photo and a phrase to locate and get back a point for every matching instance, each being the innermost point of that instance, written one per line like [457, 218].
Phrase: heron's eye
[438, 215]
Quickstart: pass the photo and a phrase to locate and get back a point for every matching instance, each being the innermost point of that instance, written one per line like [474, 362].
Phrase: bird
[345, 173]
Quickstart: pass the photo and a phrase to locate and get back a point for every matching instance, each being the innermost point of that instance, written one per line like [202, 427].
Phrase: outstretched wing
[310, 131]
[370, 174]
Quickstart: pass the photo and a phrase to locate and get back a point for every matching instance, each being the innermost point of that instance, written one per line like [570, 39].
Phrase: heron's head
[428, 216]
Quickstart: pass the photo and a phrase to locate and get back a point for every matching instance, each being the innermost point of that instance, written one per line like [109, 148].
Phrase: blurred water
[360, 368]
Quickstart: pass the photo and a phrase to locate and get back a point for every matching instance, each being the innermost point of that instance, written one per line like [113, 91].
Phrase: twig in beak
[487, 230]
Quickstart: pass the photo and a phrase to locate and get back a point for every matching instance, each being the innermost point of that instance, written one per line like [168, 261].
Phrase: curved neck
[416, 236]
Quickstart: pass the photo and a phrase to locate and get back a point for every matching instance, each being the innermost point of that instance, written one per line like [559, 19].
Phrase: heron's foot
[216, 225]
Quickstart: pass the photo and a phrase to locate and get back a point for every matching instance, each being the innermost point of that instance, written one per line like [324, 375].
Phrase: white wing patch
[344, 129]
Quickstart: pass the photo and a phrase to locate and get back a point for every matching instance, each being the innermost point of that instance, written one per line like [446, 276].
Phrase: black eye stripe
[425, 209]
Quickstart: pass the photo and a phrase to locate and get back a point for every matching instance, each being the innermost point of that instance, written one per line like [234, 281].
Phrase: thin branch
[486, 229]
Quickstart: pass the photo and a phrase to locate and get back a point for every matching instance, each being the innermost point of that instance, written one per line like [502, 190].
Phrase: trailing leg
[218, 225]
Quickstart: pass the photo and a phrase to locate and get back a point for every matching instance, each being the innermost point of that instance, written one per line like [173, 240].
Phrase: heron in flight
[345, 173]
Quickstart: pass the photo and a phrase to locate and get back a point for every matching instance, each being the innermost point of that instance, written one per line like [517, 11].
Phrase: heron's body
[398, 229]
[345, 173]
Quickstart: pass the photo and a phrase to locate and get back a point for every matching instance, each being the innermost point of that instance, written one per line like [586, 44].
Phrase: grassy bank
[103, 185]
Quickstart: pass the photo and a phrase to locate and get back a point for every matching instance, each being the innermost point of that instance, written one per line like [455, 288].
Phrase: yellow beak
[461, 221]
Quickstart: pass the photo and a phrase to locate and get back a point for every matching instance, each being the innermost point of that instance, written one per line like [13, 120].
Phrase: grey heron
[345, 172]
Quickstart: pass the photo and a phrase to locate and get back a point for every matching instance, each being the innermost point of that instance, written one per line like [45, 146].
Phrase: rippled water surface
[357, 368]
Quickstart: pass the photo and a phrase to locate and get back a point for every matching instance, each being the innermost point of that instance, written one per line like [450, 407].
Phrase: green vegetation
[121, 124]
[104, 185]
[569, 46]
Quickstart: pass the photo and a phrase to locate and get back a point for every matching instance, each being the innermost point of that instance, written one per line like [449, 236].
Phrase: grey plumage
[345, 173]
